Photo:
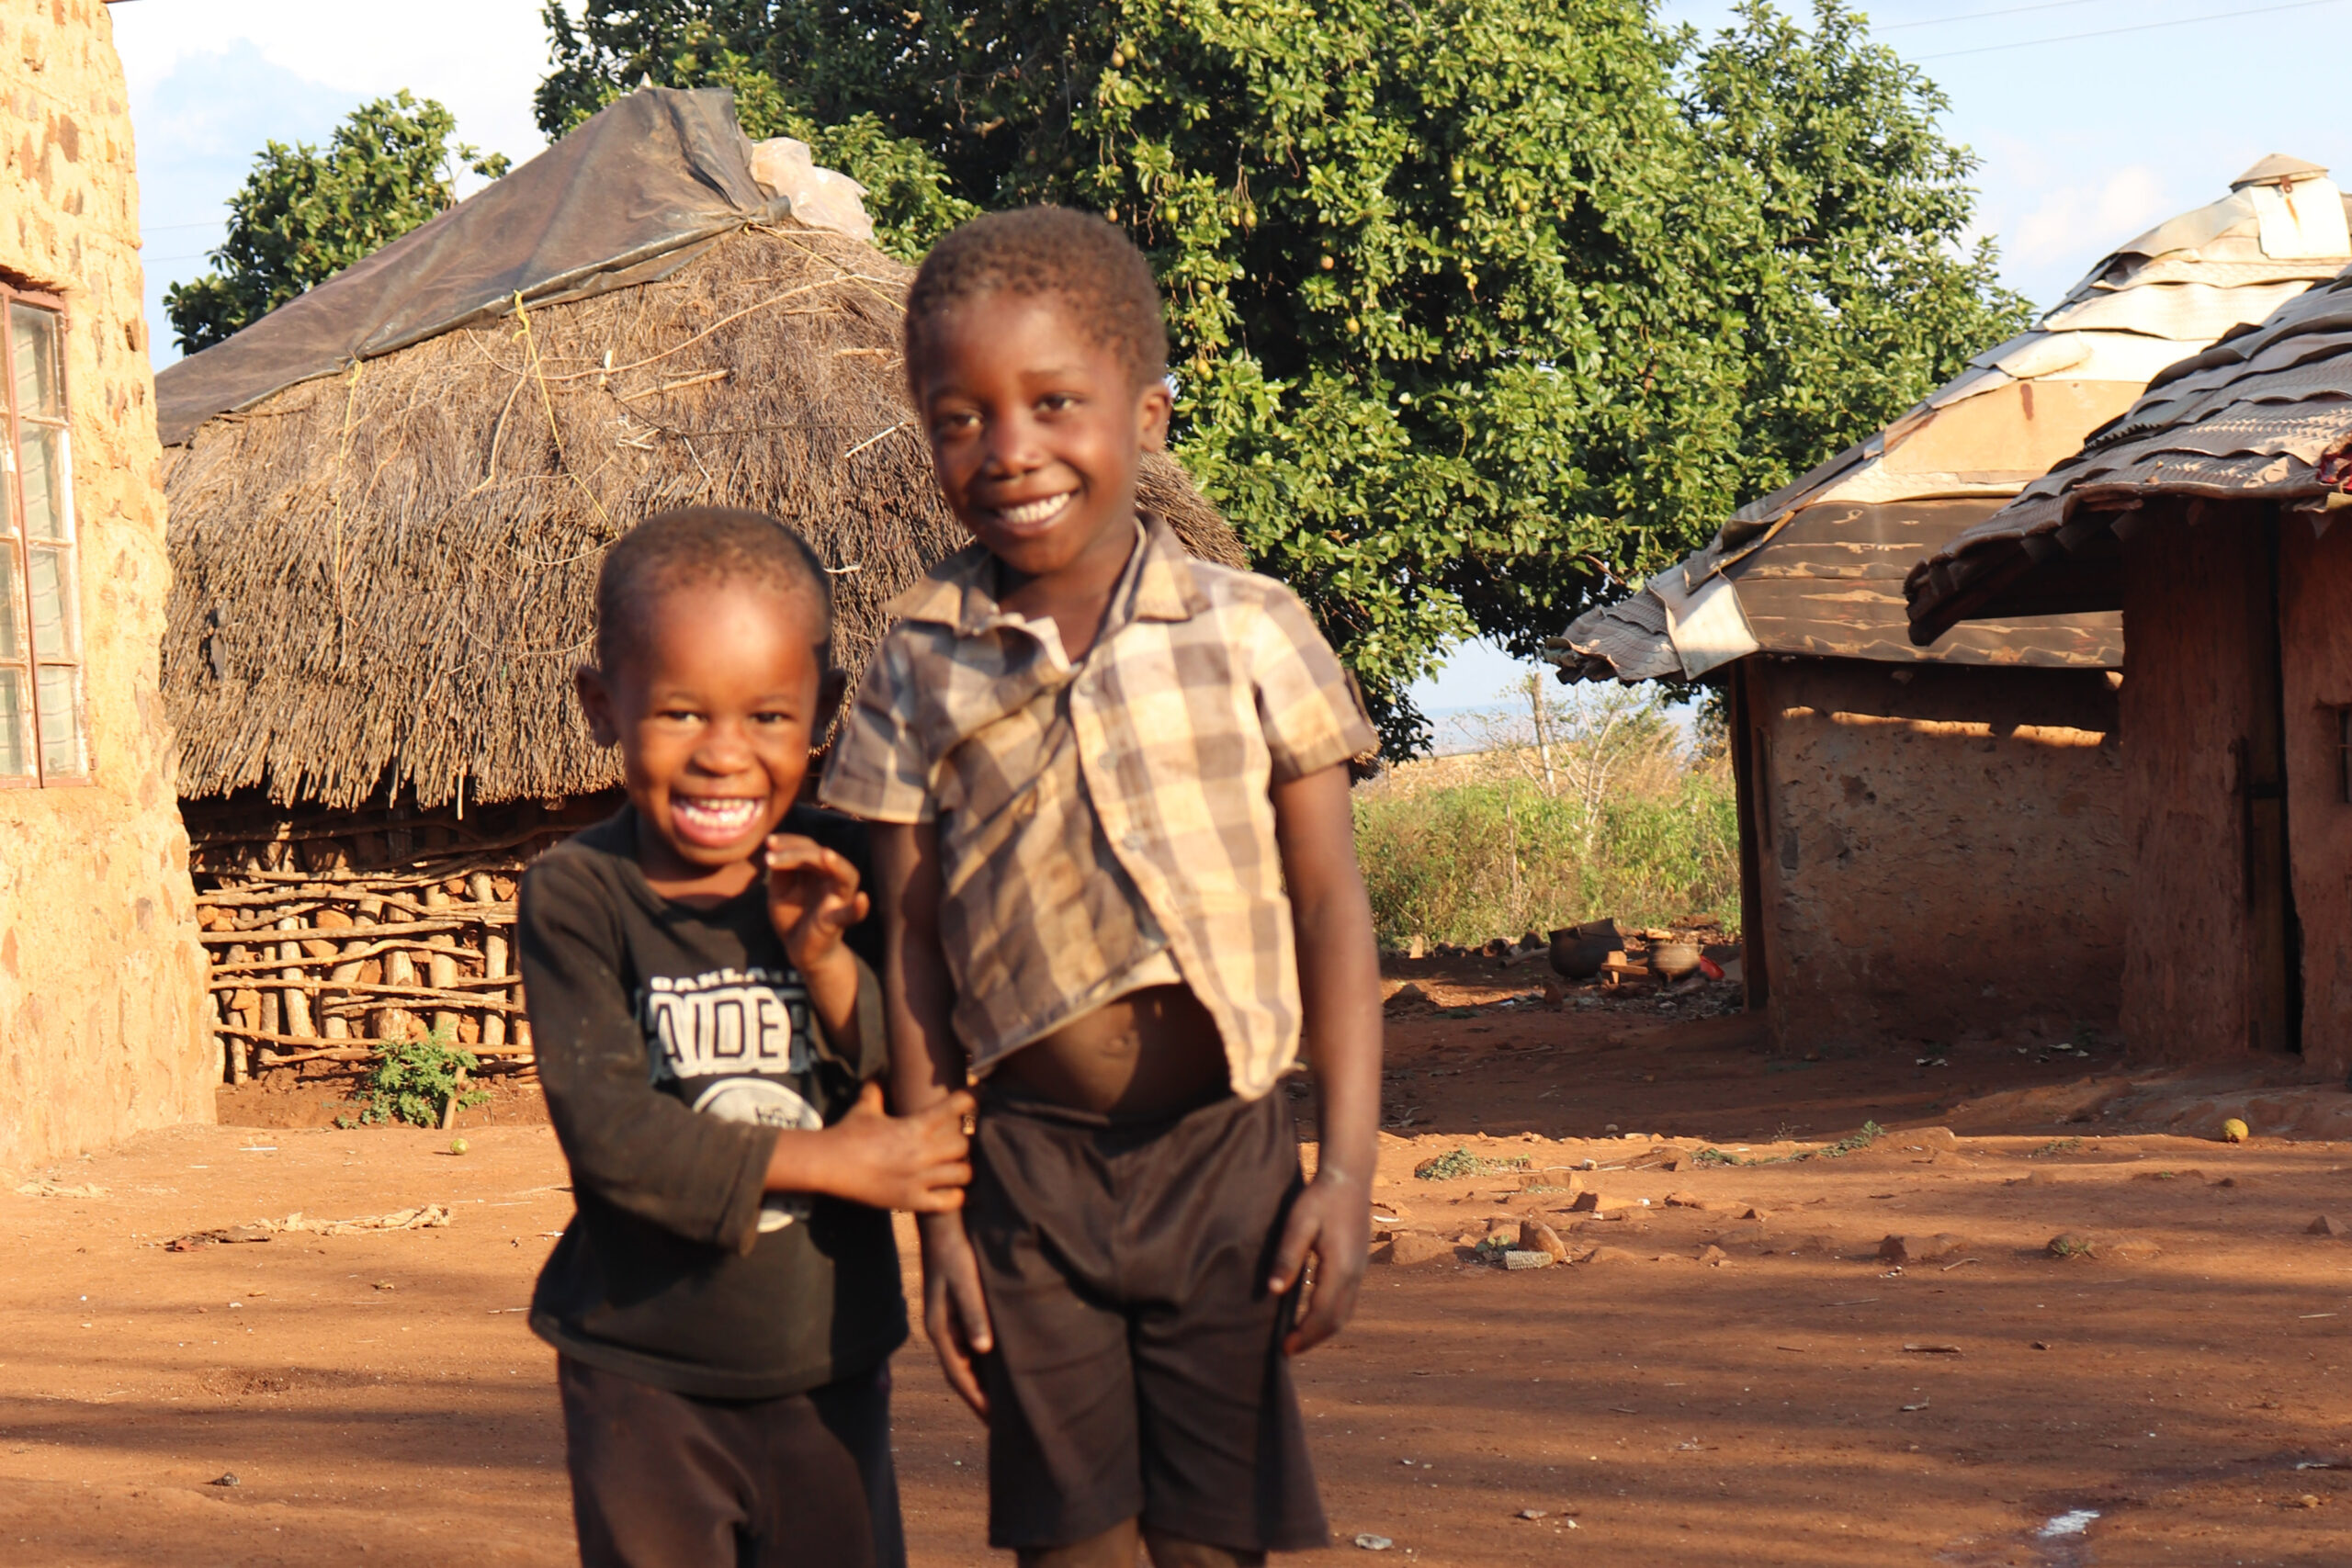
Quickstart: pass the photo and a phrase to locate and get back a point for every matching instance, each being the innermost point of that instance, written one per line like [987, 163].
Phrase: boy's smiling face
[713, 710]
[1036, 430]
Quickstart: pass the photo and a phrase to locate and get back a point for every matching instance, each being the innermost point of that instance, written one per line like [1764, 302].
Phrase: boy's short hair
[703, 546]
[1090, 264]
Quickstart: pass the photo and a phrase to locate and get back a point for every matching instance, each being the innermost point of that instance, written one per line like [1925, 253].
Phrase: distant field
[1464, 848]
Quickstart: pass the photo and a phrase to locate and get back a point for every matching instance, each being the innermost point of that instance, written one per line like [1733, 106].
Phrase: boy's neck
[1077, 596]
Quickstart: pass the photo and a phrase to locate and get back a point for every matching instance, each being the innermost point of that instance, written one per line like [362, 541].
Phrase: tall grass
[1463, 849]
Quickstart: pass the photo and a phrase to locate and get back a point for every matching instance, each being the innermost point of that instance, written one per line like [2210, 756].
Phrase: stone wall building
[1933, 841]
[101, 975]
[2210, 516]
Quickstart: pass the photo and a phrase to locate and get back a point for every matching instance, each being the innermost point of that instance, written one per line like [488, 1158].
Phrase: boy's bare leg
[1114, 1548]
[1174, 1552]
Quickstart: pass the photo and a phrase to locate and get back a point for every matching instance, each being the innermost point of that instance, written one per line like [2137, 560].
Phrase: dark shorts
[663, 1480]
[1138, 1367]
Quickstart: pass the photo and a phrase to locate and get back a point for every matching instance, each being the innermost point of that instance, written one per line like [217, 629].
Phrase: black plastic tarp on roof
[623, 199]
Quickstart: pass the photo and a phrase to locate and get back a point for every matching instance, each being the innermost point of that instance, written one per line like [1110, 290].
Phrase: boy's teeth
[1030, 511]
[717, 813]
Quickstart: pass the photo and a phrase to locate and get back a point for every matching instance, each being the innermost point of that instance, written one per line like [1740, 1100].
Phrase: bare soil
[1798, 1400]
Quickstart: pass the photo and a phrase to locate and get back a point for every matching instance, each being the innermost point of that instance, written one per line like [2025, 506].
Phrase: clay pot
[1670, 961]
[1579, 951]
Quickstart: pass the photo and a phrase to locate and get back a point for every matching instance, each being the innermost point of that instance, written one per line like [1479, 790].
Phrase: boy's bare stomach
[1151, 1052]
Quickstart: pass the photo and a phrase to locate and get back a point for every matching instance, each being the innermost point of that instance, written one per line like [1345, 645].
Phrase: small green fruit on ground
[2234, 1131]
[457, 1146]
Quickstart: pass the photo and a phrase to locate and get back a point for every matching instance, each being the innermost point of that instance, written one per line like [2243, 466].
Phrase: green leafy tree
[305, 214]
[1484, 308]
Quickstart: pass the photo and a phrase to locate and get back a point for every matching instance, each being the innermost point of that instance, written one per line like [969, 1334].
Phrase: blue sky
[2085, 140]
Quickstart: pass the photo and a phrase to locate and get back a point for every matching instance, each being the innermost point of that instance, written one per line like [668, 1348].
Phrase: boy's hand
[813, 898]
[955, 1313]
[1332, 1220]
[883, 1161]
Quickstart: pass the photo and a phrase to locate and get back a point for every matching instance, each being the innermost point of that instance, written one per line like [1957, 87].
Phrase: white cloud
[211, 81]
[2081, 222]
[482, 58]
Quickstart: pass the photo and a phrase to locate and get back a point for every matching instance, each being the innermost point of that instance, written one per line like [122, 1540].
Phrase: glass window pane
[52, 593]
[41, 388]
[48, 501]
[15, 734]
[12, 624]
[60, 721]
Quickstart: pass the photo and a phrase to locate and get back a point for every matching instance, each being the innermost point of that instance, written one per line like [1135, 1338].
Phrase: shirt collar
[960, 592]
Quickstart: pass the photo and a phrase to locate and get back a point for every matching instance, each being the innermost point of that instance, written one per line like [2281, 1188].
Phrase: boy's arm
[644, 1151]
[927, 1073]
[1339, 975]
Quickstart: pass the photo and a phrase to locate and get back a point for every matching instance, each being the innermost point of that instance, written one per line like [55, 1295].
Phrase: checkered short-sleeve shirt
[1095, 816]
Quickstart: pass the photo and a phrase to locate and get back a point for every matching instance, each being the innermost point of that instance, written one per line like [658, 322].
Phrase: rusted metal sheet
[1821, 566]
[2263, 416]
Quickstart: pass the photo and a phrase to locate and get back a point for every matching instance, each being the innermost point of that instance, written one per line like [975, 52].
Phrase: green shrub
[1495, 856]
[412, 1081]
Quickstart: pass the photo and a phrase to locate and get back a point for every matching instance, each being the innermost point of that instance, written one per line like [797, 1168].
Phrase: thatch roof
[384, 578]
[1818, 568]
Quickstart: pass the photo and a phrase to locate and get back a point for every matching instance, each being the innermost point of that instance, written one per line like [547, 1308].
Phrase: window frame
[17, 542]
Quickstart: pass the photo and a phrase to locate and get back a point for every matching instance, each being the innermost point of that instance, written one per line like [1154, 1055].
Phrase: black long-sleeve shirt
[673, 1042]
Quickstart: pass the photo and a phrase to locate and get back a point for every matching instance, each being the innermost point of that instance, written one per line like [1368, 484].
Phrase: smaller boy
[726, 1300]
[1120, 888]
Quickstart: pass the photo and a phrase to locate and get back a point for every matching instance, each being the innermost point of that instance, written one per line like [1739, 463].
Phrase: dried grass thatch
[382, 580]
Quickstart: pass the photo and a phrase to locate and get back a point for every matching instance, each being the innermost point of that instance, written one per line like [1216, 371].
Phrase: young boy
[727, 1298]
[1118, 882]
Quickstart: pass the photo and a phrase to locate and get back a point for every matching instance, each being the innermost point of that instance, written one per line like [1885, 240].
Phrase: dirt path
[1791, 1404]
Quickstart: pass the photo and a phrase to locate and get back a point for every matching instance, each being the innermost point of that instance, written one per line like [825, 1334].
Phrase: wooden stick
[474, 990]
[355, 1051]
[493, 961]
[405, 928]
[441, 968]
[375, 948]
[296, 1001]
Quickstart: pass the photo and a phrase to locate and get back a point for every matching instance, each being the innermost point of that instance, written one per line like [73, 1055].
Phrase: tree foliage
[304, 214]
[1484, 309]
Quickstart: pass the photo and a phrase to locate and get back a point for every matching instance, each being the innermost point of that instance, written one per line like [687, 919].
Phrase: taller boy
[1119, 885]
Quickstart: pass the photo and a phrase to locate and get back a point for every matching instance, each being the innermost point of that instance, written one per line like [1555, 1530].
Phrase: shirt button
[1108, 763]
[1134, 842]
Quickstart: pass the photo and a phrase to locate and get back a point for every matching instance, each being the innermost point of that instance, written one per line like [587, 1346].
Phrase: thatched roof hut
[388, 500]
[383, 575]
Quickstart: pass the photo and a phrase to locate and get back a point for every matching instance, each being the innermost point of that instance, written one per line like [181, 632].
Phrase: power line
[1977, 15]
[2137, 27]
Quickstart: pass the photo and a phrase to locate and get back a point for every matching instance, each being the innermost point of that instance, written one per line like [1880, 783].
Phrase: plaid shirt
[1099, 819]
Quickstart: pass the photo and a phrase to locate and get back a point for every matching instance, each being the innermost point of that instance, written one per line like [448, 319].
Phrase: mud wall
[101, 977]
[1941, 853]
[2197, 645]
[2316, 638]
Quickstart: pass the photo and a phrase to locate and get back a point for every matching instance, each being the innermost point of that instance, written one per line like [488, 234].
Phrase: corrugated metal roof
[1990, 433]
[2259, 416]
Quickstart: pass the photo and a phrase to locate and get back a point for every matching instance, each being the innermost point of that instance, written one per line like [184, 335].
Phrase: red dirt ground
[378, 1395]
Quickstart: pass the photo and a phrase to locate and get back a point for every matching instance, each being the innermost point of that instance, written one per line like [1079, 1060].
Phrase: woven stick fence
[327, 932]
